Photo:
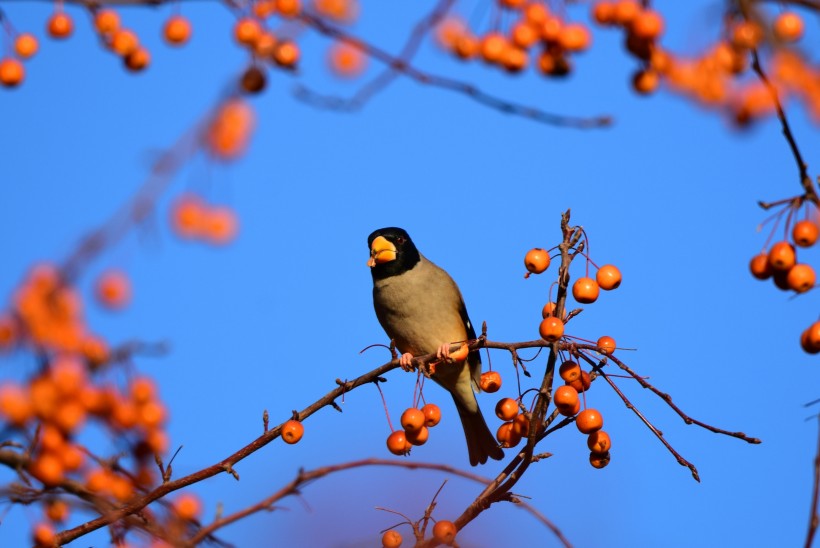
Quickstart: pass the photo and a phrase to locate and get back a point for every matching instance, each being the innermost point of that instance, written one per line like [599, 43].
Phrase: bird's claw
[406, 362]
[443, 351]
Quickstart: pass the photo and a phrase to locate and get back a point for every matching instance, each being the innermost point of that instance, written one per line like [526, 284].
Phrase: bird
[421, 309]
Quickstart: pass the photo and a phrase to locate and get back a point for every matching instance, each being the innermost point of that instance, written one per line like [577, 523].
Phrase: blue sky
[668, 194]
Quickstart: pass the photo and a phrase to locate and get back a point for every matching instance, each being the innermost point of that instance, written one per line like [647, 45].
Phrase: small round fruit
[25, 45]
[490, 381]
[585, 290]
[246, 30]
[506, 409]
[548, 310]
[599, 442]
[570, 411]
[589, 420]
[177, 30]
[506, 435]
[391, 539]
[419, 437]
[537, 260]
[521, 425]
[432, 414]
[137, 60]
[782, 256]
[608, 277]
[801, 278]
[565, 397]
[412, 420]
[551, 329]
[106, 21]
[788, 27]
[444, 531]
[810, 338]
[598, 460]
[397, 443]
[606, 345]
[60, 25]
[292, 431]
[805, 233]
[759, 266]
[569, 371]
[43, 535]
[647, 25]
[11, 72]
[253, 80]
[583, 383]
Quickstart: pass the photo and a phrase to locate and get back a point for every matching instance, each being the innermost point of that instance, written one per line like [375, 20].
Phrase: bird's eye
[400, 240]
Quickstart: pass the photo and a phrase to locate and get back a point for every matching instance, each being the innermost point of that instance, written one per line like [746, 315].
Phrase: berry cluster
[415, 423]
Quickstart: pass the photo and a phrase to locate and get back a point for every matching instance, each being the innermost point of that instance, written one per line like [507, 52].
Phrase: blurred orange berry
[286, 54]
[15, 404]
[177, 30]
[246, 30]
[106, 21]
[11, 72]
[48, 469]
[288, 8]
[113, 289]
[188, 216]
[804, 234]
[26, 45]
[124, 42]
[346, 60]
[60, 25]
[188, 506]
[574, 37]
[57, 510]
[221, 225]
[231, 128]
[43, 536]
[788, 27]
[647, 25]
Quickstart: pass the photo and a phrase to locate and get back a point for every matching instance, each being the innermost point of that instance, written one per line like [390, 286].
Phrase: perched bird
[420, 308]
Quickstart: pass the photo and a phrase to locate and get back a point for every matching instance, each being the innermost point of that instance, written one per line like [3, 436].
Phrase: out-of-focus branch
[814, 517]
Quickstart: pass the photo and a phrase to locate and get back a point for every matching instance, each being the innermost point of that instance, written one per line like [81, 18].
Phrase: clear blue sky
[668, 194]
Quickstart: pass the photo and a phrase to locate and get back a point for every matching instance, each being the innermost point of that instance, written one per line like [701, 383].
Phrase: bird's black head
[392, 252]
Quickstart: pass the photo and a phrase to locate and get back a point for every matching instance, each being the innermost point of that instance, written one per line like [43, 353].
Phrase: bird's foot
[443, 351]
[406, 361]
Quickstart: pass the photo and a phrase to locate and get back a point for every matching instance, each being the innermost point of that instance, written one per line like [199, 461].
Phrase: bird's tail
[480, 441]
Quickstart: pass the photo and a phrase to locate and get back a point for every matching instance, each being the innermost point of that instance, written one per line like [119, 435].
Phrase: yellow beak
[381, 251]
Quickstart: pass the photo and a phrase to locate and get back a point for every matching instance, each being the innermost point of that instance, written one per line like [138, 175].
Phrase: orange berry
[288, 8]
[645, 81]
[70, 416]
[432, 414]
[548, 310]
[801, 278]
[95, 350]
[746, 35]
[551, 329]
[608, 277]
[11, 72]
[15, 404]
[8, 331]
[536, 13]
[603, 12]
[391, 539]
[759, 266]
[263, 9]
[513, 4]
[523, 35]
[124, 42]
[536, 260]
[265, 44]
[188, 506]
[782, 256]
[810, 338]
[48, 469]
[589, 420]
[514, 59]
[292, 431]
[26, 45]
[419, 437]
[106, 21]
[397, 443]
[247, 30]
[44, 536]
[444, 531]
[805, 233]
[583, 383]
[143, 390]
[606, 345]
[493, 45]
[506, 409]
[565, 397]
[459, 355]
[221, 225]
[124, 414]
[151, 414]
[57, 510]
[286, 54]
[574, 37]
[490, 381]
[346, 60]
[647, 25]
[585, 290]
[188, 216]
[448, 31]
[466, 46]
[521, 425]
[98, 480]
[60, 25]
[137, 60]
[122, 488]
[599, 442]
[412, 420]
[599, 460]
[157, 441]
[625, 11]
[72, 457]
[506, 435]
[569, 371]
[177, 30]
[113, 289]
[788, 27]
[553, 64]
